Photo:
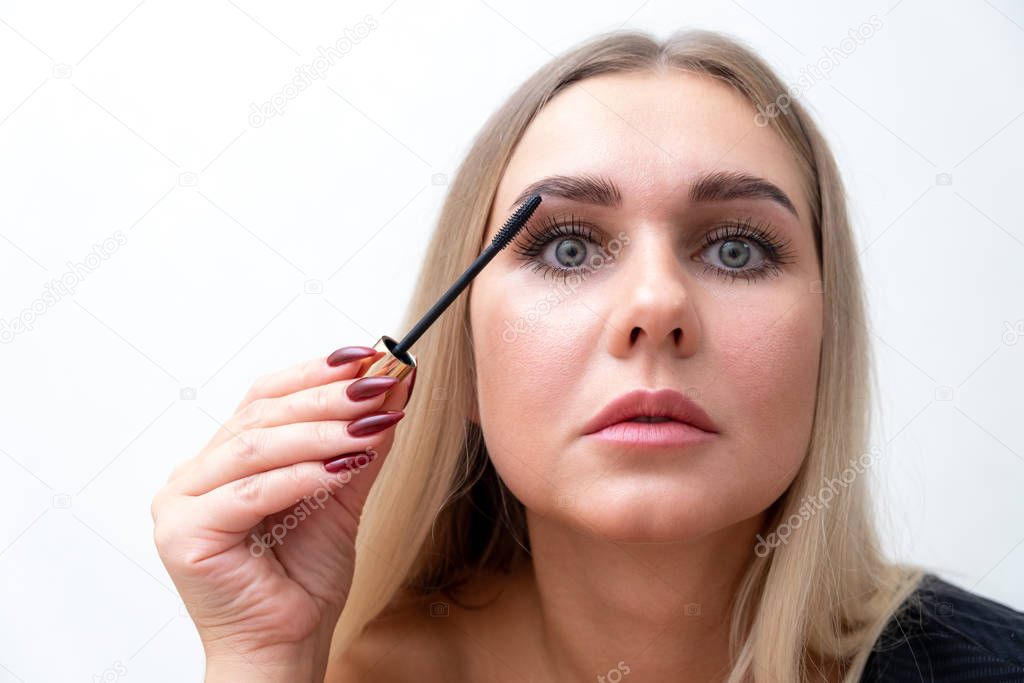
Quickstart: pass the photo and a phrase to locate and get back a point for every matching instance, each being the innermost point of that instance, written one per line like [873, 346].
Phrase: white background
[132, 119]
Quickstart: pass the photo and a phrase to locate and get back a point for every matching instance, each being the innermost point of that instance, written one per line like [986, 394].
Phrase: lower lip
[653, 434]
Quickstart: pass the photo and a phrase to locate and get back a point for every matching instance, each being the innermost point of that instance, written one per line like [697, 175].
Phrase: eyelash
[776, 250]
[551, 229]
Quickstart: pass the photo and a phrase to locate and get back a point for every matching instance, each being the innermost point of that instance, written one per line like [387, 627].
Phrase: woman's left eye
[745, 251]
[735, 253]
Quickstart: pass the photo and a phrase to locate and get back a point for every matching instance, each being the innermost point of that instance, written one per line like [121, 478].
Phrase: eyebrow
[589, 189]
[707, 187]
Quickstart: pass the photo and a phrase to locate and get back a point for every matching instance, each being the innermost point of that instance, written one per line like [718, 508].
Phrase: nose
[652, 311]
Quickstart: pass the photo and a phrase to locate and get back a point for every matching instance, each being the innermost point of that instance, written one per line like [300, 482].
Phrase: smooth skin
[266, 611]
[636, 554]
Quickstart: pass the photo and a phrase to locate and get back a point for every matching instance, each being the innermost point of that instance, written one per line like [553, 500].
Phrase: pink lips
[686, 424]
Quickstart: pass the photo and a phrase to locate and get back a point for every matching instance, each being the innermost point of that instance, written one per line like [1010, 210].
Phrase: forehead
[651, 133]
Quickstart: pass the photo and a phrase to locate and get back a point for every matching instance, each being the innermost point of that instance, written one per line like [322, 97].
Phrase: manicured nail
[374, 422]
[412, 383]
[368, 387]
[349, 353]
[350, 461]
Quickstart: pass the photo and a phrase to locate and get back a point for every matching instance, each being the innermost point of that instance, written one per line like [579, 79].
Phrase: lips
[652, 407]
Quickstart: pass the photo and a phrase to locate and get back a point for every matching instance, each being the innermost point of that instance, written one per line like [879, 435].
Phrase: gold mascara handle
[384, 363]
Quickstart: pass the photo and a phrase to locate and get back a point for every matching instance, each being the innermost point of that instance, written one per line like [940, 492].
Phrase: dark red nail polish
[374, 422]
[349, 353]
[350, 461]
[412, 383]
[368, 387]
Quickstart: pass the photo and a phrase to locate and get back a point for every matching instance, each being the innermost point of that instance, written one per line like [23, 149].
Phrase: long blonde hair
[439, 513]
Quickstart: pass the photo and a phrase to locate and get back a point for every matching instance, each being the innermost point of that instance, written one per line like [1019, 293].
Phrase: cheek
[529, 343]
[767, 364]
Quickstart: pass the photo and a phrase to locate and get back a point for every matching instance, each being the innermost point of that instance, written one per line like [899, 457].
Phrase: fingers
[262, 449]
[344, 363]
[283, 445]
[332, 401]
[240, 505]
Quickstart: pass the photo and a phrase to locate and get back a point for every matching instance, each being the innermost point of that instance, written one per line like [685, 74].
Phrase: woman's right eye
[565, 252]
[560, 249]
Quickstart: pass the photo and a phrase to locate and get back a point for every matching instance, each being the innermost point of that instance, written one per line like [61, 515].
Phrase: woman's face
[711, 291]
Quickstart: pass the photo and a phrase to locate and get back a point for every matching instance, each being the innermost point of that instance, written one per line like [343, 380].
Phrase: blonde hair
[438, 513]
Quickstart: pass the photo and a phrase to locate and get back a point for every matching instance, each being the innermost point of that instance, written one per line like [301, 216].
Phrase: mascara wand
[392, 359]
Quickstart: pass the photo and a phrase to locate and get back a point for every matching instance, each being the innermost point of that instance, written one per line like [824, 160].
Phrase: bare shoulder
[432, 637]
[405, 642]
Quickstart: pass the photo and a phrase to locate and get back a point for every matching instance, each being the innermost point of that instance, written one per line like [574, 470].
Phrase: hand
[258, 530]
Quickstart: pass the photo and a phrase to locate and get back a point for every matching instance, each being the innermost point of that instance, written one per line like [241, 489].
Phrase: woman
[640, 448]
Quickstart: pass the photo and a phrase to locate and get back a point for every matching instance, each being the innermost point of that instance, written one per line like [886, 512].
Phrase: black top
[950, 635]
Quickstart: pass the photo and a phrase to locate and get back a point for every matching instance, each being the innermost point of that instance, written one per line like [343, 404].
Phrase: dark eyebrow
[724, 185]
[707, 187]
[588, 189]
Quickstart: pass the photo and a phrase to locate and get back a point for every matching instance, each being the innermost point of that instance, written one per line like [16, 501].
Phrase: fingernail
[349, 353]
[412, 383]
[350, 461]
[375, 422]
[368, 387]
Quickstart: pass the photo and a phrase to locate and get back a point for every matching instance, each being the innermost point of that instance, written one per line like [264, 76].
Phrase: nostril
[633, 334]
[676, 334]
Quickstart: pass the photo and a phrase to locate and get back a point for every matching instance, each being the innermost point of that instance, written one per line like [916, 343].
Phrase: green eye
[560, 248]
[740, 250]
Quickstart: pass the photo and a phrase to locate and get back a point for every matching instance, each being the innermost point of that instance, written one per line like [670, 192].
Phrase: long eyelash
[777, 250]
[531, 241]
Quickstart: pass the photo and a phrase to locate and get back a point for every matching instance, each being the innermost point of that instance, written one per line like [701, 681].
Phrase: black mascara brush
[392, 359]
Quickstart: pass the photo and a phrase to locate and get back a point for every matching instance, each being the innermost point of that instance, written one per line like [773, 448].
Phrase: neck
[661, 610]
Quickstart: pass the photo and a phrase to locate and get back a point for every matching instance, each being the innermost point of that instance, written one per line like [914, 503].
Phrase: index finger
[339, 365]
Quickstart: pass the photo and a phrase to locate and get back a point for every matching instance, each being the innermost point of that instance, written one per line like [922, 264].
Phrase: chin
[641, 515]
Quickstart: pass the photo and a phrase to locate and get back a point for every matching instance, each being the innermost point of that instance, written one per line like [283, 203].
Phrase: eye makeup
[735, 238]
[533, 242]
[742, 240]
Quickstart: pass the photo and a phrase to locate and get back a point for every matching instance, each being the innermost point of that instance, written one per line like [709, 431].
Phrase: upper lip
[661, 403]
